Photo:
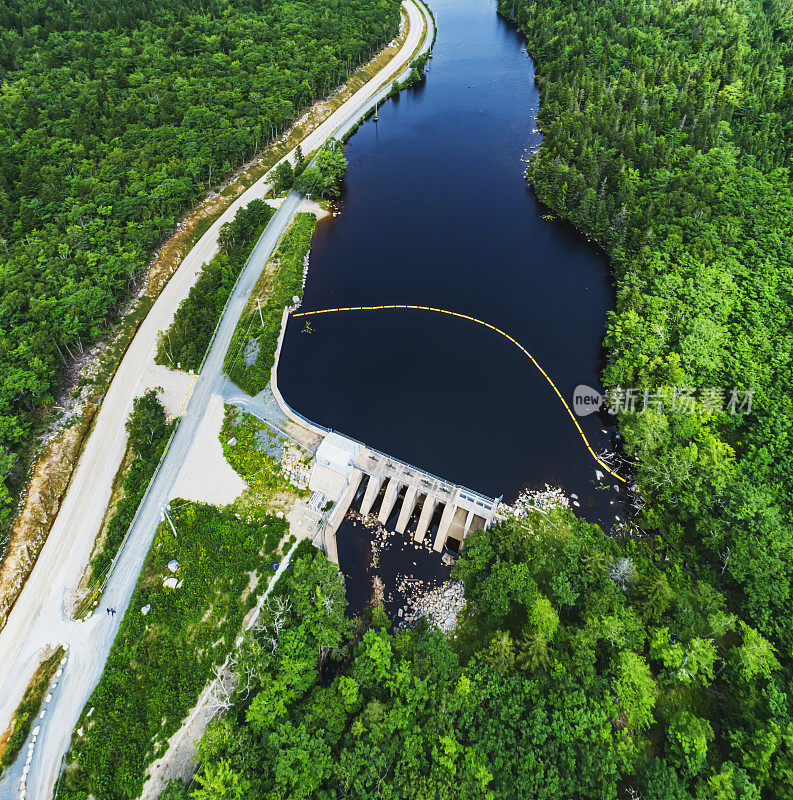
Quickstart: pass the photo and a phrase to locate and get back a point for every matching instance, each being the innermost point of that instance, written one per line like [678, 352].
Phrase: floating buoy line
[492, 328]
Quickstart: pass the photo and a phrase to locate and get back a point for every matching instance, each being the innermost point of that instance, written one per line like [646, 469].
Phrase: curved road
[38, 617]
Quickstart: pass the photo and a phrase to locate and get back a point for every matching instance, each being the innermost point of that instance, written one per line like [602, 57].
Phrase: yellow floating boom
[492, 328]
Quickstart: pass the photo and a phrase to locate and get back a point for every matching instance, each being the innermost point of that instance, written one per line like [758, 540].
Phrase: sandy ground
[206, 475]
[38, 616]
[175, 386]
[315, 208]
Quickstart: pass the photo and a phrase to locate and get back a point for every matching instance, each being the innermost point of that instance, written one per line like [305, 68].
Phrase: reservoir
[435, 211]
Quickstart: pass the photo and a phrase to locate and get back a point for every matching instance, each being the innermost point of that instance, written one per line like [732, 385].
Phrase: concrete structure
[344, 466]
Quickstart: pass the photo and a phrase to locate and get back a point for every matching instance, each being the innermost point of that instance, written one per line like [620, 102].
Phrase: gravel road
[38, 617]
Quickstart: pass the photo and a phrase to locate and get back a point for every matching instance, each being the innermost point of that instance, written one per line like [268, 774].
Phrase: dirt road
[38, 617]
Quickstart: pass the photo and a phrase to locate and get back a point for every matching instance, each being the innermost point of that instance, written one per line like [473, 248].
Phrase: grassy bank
[161, 660]
[252, 351]
[149, 432]
[266, 461]
[184, 344]
[28, 709]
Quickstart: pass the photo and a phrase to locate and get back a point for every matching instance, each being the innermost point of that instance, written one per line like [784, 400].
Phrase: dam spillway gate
[424, 504]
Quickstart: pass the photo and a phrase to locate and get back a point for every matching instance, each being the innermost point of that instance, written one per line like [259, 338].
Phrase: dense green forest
[113, 119]
[577, 671]
[668, 135]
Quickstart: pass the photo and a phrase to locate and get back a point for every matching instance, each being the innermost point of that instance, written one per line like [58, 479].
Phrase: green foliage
[29, 707]
[248, 453]
[668, 136]
[284, 177]
[113, 120]
[160, 662]
[688, 738]
[685, 681]
[635, 688]
[621, 703]
[322, 178]
[148, 433]
[185, 343]
[400, 717]
[287, 283]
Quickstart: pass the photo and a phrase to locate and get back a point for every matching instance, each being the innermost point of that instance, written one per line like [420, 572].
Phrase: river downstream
[435, 211]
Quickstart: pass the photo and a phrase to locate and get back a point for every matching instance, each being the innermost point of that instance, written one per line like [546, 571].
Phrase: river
[435, 211]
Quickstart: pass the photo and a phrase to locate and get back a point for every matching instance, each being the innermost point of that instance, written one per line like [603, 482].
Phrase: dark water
[406, 568]
[435, 211]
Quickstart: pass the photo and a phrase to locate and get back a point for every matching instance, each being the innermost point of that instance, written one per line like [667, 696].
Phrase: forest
[667, 135]
[578, 669]
[114, 119]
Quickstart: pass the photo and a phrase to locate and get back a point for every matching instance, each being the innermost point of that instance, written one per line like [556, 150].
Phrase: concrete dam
[343, 468]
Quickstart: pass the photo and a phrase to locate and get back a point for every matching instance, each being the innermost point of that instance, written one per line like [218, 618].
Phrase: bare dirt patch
[206, 476]
[32, 525]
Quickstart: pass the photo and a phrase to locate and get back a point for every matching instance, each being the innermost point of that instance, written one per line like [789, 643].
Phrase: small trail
[492, 328]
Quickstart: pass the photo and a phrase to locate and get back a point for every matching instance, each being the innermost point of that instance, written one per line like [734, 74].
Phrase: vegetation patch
[168, 643]
[28, 709]
[256, 452]
[251, 448]
[148, 432]
[184, 345]
[578, 669]
[262, 323]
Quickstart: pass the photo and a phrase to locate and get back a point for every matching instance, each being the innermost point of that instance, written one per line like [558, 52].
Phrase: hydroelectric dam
[344, 470]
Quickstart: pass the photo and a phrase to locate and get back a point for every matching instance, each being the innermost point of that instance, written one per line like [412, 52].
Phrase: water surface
[435, 211]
